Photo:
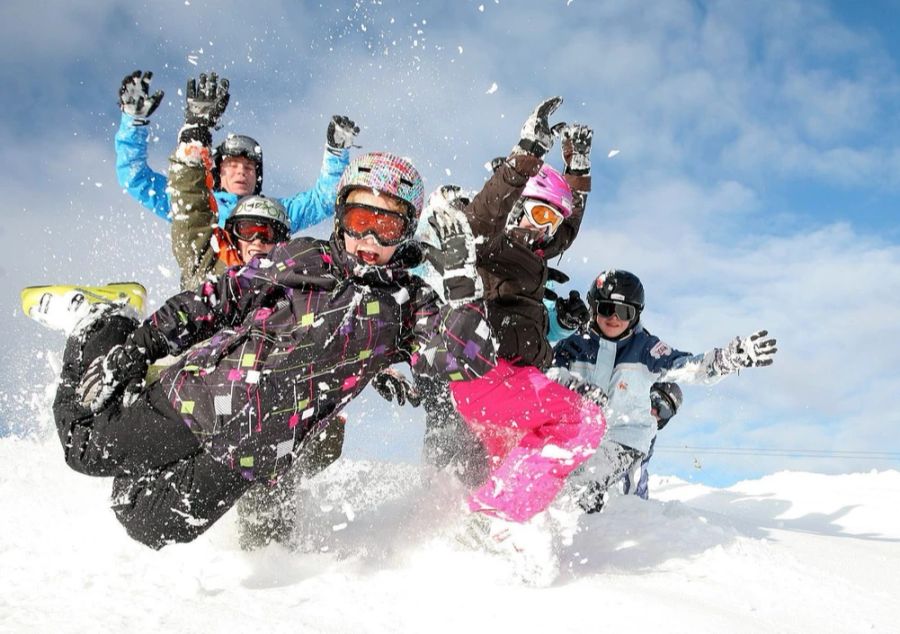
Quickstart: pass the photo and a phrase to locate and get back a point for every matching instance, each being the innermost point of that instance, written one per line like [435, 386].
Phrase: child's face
[611, 326]
[252, 248]
[367, 249]
[536, 232]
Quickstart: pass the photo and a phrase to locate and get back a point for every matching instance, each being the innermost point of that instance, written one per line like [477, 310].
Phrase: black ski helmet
[666, 398]
[238, 145]
[616, 286]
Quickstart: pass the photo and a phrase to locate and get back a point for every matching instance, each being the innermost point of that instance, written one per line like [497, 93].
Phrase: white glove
[756, 351]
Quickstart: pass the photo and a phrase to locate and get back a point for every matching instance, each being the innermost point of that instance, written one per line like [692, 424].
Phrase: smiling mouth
[367, 256]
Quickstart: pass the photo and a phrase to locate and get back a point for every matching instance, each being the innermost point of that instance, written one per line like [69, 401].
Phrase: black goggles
[665, 408]
[625, 312]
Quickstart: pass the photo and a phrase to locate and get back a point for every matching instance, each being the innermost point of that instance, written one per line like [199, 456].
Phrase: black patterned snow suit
[283, 345]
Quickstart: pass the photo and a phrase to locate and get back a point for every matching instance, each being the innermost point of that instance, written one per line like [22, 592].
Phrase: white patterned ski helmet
[384, 173]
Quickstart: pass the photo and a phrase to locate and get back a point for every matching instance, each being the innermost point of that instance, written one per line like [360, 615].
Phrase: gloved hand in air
[576, 148]
[755, 351]
[341, 134]
[135, 98]
[205, 101]
[536, 136]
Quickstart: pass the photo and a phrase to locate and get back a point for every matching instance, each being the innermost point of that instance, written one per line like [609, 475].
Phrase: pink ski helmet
[549, 185]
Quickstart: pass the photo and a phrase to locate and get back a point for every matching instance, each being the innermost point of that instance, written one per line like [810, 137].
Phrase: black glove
[555, 275]
[135, 98]
[206, 100]
[122, 365]
[572, 313]
[455, 259]
[576, 148]
[536, 136]
[341, 134]
[390, 384]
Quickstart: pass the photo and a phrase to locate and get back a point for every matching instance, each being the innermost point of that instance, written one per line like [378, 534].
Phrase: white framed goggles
[542, 214]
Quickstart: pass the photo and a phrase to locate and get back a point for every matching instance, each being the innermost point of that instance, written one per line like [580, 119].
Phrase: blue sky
[756, 185]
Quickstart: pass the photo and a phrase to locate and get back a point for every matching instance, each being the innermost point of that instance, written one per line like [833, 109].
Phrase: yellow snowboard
[131, 292]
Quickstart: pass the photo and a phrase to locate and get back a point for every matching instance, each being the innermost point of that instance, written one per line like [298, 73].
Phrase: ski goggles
[387, 227]
[625, 312]
[253, 229]
[542, 215]
[665, 408]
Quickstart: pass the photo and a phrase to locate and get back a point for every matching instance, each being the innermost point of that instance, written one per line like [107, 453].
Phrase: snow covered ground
[791, 552]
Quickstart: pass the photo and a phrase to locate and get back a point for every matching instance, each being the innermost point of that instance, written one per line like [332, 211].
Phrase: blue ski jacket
[626, 369]
[149, 187]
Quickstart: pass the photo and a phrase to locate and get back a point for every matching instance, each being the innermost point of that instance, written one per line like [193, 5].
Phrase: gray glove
[756, 351]
[536, 136]
[575, 383]
[591, 392]
[206, 100]
[122, 365]
[135, 98]
[455, 259]
[341, 134]
[391, 385]
[576, 148]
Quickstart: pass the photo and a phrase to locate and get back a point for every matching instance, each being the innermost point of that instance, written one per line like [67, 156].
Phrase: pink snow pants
[536, 432]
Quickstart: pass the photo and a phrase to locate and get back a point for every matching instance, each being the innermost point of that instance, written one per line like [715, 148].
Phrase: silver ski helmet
[238, 145]
[263, 209]
[383, 173]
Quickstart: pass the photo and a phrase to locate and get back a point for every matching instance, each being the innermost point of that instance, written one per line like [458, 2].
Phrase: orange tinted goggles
[250, 230]
[542, 215]
[387, 227]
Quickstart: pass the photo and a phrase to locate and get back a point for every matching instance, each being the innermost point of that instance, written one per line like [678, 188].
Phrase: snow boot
[532, 547]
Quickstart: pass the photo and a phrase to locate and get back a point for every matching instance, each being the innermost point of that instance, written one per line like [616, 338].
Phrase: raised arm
[489, 210]
[197, 241]
[576, 152]
[308, 208]
[132, 170]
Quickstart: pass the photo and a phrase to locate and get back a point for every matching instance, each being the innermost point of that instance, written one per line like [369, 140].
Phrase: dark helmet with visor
[619, 292]
[666, 398]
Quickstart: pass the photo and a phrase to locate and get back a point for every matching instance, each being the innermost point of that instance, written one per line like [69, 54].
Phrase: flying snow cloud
[752, 183]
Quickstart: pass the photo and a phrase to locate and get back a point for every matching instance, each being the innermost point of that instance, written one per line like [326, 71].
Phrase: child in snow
[269, 353]
[202, 248]
[621, 360]
[238, 160]
[665, 401]
[534, 430]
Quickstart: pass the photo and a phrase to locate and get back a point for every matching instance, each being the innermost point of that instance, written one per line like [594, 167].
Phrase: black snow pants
[166, 488]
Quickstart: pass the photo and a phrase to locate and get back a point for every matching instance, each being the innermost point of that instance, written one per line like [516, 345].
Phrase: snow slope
[792, 552]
